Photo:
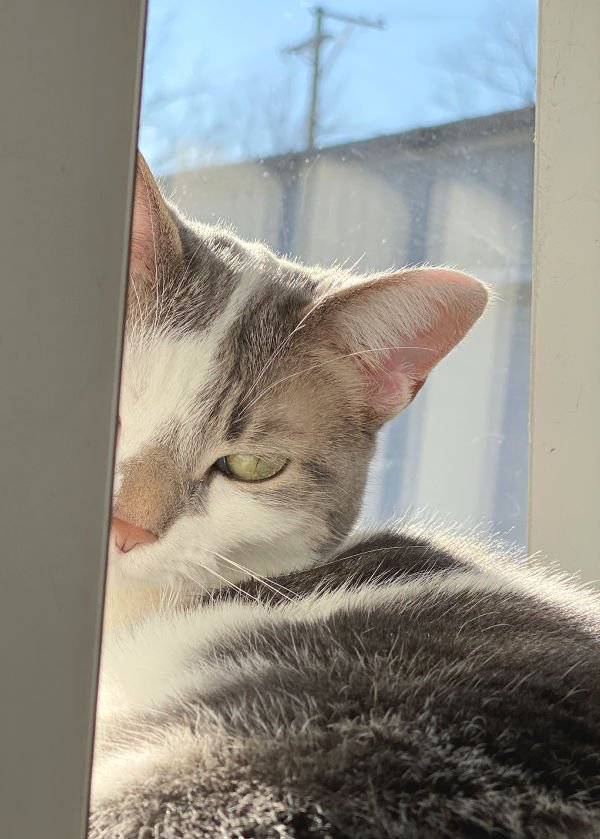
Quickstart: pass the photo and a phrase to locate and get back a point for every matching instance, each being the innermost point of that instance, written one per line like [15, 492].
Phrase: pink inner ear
[394, 377]
[398, 377]
[141, 258]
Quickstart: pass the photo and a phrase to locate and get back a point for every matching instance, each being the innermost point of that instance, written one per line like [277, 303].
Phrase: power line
[313, 46]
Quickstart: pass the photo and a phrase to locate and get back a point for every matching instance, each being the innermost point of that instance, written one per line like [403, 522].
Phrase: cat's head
[252, 391]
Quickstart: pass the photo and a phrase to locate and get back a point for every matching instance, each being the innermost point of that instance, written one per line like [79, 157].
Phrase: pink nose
[128, 535]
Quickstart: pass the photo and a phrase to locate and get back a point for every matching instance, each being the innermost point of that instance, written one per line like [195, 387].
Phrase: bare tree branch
[503, 62]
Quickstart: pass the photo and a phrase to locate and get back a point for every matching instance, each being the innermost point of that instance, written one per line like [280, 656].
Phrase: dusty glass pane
[421, 150]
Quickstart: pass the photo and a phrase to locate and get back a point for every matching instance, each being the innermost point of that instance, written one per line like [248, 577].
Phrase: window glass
[420, 149]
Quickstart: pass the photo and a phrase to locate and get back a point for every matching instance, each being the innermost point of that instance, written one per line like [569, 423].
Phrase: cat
[268, 672]
[231, 351]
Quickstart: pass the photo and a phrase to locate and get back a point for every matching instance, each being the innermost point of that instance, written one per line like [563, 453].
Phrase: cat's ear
[395, 328]
[154, 236]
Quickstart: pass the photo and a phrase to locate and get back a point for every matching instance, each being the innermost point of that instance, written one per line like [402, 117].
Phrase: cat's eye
[251, 467]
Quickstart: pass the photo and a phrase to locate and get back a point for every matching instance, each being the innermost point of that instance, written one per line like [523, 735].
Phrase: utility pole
[313, 45]
[317, 40]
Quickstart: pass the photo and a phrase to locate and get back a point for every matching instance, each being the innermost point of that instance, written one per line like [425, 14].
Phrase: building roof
[461, 131]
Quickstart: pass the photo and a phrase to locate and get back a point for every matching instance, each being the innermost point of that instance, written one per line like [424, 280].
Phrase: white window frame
[69, 84]
[564, 473]
[69, 87]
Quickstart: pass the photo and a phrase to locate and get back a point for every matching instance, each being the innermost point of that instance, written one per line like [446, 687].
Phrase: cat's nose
[127, 535]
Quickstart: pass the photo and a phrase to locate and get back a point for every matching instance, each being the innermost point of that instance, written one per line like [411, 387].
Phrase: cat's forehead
[217, 334]
[216, 278]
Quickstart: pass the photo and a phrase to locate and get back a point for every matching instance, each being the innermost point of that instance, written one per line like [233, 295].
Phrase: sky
[219, 87]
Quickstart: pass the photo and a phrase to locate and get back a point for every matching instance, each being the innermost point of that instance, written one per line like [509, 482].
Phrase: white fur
[161, 380]
[190, 554]
[163, 377]
[163, 373]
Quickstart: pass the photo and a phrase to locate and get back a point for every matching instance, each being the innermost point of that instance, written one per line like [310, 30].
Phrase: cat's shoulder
[421, 555]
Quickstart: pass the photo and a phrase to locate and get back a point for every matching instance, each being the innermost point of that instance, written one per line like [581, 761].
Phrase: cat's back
[399, 690]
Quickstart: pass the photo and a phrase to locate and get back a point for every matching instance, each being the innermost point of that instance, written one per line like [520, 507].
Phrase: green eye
[250, 467]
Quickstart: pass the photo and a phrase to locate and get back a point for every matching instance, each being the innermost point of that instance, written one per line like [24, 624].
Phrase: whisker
[323, 364]
[364, 553]
[223, 579]
[275, 587]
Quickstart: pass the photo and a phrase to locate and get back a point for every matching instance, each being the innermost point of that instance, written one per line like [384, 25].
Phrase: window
[68, 147]
[416, 154]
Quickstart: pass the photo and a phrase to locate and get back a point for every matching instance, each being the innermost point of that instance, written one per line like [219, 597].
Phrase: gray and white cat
[274, 675]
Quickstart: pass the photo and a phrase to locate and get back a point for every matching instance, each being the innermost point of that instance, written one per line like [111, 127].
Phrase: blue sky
[217, 86]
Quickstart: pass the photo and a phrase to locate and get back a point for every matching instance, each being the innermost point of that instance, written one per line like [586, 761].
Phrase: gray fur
[464, 714]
